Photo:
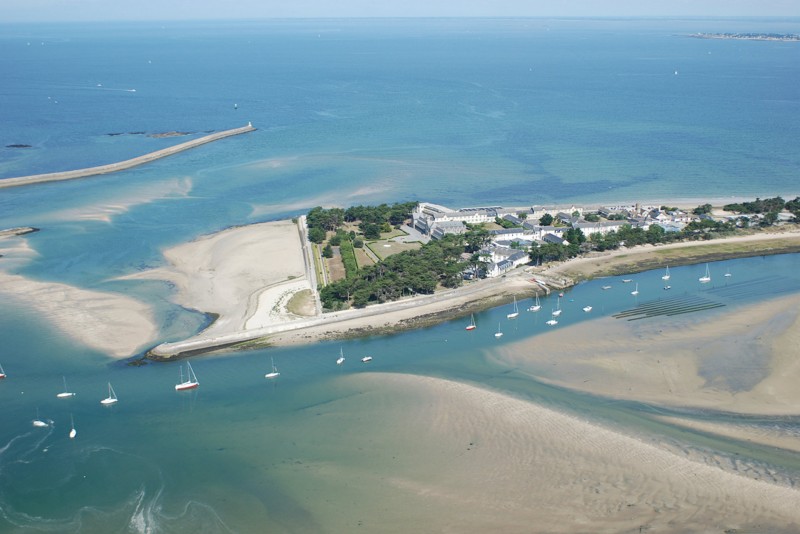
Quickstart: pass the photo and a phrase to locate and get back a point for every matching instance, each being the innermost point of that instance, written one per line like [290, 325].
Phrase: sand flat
[114, 324]
[443, 456]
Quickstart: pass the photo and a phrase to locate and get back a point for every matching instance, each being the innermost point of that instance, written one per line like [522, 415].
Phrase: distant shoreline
[122, 165]
[783, 37]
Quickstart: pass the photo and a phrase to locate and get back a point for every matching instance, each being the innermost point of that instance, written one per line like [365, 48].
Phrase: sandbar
[454, 457]
[736, 361]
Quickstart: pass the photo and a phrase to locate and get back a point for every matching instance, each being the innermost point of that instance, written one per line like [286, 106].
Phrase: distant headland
[748, 36]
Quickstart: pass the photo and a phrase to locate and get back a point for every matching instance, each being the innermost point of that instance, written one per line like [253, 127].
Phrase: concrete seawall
[122, 165]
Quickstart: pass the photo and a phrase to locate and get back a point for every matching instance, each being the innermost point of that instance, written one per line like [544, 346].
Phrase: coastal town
[344, 282]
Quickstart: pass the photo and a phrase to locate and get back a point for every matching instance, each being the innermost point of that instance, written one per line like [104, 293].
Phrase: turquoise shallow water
[456, 112]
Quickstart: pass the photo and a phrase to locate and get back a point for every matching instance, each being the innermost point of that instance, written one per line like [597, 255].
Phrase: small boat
[561, 294]
[2, 372]
[604, 288]
[706, 278]
[112, 397]
[498, 333]
[635, 291]
[627, 280]
[727, 275]
[666, 274]
[552, 322]
[667, 288]
[73, 432]
[274, 373]
[366, 359]
[471, 325]
[536, 306]
[340, 359]
[587, 309]
[38, 422]
[66, 393]
[557, 311]
[191, 380]
[515, 313]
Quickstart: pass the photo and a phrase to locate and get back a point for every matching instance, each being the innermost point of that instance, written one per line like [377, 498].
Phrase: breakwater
[122, 165]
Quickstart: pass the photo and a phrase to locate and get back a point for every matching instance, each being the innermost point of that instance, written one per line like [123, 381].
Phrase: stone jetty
[122, 165]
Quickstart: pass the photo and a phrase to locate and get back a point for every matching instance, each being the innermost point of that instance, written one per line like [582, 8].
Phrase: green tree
[546, 219]
[327, 251]
[592, 217]
[371, 230]
[703, 209]
[655, 234]
[575, 235]
[476, 237]
[316, 235]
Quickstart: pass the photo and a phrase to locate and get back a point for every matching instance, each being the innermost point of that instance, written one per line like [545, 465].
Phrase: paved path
[122, 165]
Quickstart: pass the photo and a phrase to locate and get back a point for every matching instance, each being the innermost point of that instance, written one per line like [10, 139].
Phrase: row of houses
[509, 246]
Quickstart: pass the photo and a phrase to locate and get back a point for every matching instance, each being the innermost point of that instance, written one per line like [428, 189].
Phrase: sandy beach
[467, 459]
[244, 275]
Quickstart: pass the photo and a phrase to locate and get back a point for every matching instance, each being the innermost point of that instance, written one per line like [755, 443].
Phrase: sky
[86, 10]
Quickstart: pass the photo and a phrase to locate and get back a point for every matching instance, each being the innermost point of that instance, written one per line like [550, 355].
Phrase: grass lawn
[384, 249]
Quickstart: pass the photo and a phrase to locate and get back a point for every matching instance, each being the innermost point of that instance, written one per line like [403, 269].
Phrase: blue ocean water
[459, 112]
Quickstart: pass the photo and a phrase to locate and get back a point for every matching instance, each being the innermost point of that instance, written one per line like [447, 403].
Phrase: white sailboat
[727, 275]
[498, 333]
[340, 359]
[706, 278]
[38, 422]
[635, 291]
[587, 309]
[536, 307]
[552, 321]
[515, 313]
[366, 359]
[191, 380]
[274, 373]
[2, 372]
[73, 432]
[666, 274]
[66, 393]
[557, 311]
[112, 397]
[471, 325]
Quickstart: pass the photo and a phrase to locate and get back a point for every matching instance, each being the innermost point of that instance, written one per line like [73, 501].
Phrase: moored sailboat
[66, 393]
[706, 278]
[498, 333]
[557, 311]
[38, 422]
[2, 372]
[515, 312]
[112, 397]
[340, 359]
[666, 274]
[274, 373]
[537, 306]
[191, 379]
[471, 325]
